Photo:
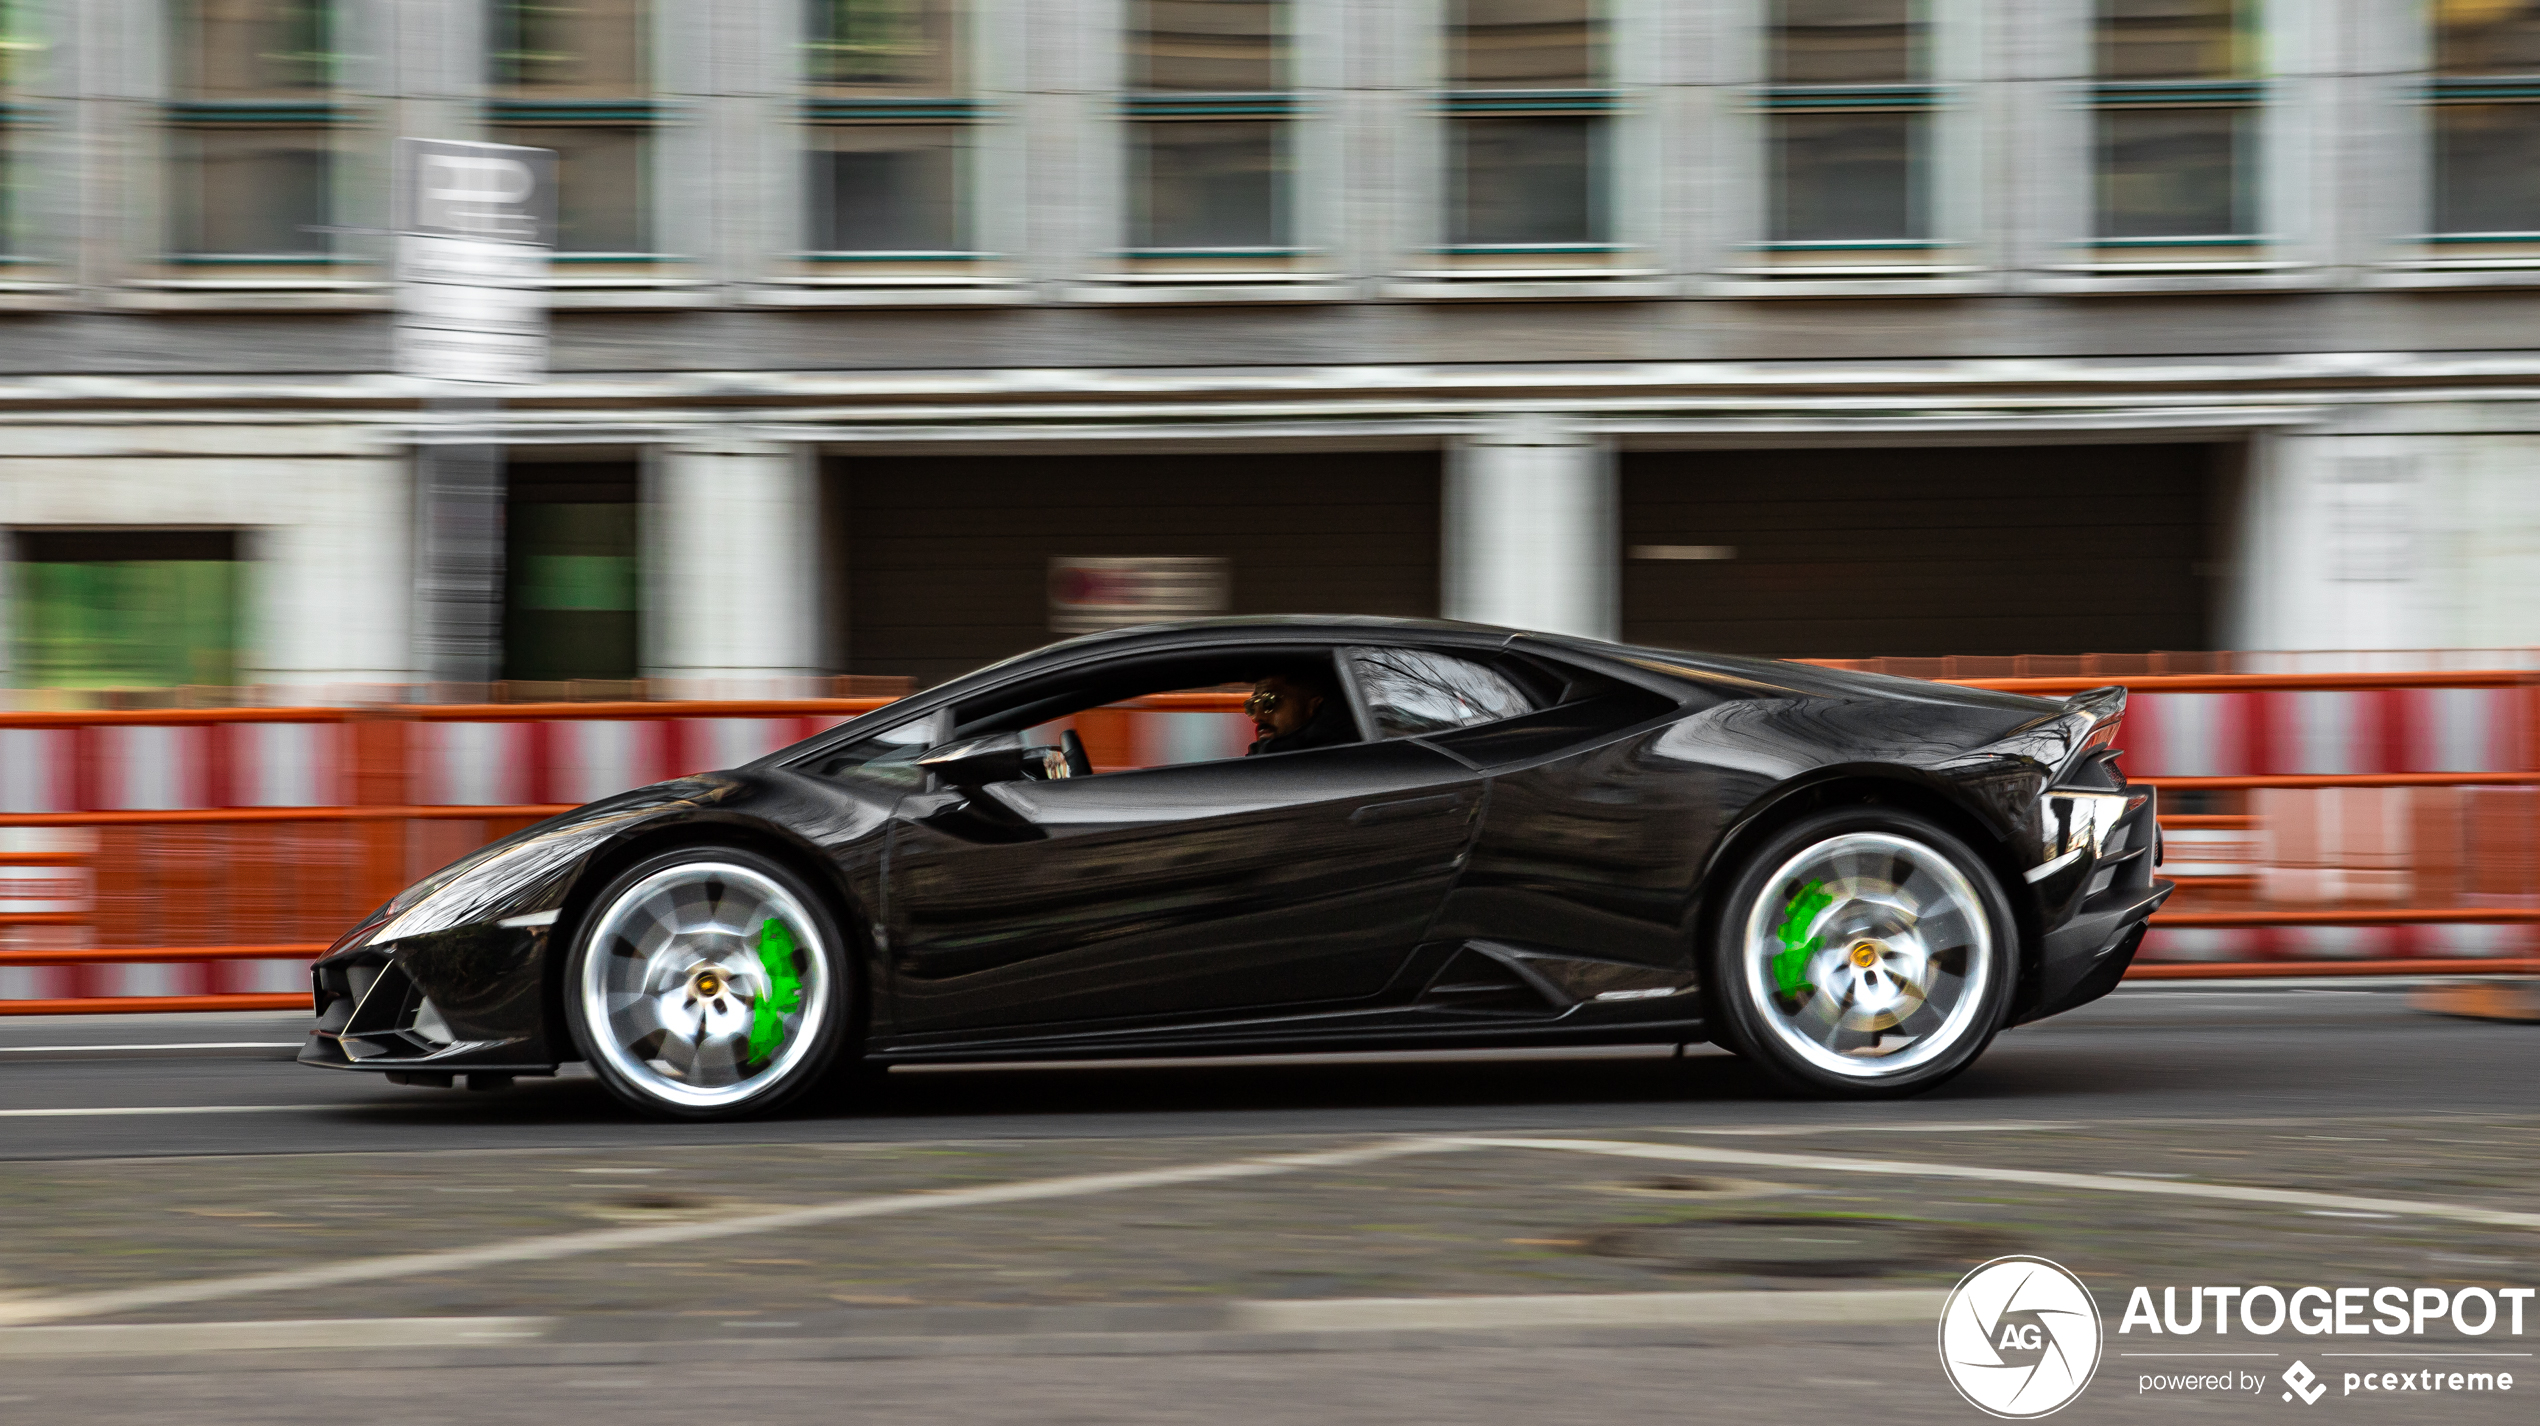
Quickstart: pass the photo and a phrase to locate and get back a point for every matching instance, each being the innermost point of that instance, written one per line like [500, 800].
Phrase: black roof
[1760, 675]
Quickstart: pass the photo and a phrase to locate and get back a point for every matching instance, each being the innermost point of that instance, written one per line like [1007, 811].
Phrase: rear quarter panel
[1605, 851]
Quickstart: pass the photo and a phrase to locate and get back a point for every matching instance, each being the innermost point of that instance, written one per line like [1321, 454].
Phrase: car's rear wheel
[708, 983]
[1862, 952]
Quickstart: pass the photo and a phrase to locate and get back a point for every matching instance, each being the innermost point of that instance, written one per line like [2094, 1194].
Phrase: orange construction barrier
[157, 860]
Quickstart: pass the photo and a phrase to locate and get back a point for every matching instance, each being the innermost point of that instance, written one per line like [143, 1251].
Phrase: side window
[1167, 728]
[897, 744]
[1410, 692]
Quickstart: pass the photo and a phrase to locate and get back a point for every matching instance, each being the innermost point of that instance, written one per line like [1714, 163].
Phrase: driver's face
[1290, 708]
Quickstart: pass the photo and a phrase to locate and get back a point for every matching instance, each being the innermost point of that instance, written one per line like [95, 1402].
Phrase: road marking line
[332, 1334]
[600, 1240]
[163, 1109]
[1776, 1131]
[1587, 1309]
[563, 1245]
[1842, 1306]
[2104, 1183]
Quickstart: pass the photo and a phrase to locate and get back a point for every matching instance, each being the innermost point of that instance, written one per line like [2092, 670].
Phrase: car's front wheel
[708, 983]
[1862, 952]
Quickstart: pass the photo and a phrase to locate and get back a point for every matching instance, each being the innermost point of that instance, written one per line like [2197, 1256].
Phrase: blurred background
[2104, 338]
[1830, 328]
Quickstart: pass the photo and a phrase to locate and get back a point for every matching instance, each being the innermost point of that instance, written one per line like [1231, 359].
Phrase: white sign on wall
[1089, 593]
[474, 225]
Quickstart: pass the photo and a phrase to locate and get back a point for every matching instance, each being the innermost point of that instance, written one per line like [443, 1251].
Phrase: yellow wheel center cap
[709, 984]
[1865, 954]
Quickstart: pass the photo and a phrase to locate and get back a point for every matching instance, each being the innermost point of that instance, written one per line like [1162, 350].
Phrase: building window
[106, 609]
[252, 118]
[2486, 95]
[889, 143]
[21, 52]
[1848, 116]
[1528, 114]
[2177, 108]
[570, 571]
[575, 76]
[1209, 111]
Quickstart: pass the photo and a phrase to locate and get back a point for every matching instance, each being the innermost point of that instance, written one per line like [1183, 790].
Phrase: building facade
[1805, 327]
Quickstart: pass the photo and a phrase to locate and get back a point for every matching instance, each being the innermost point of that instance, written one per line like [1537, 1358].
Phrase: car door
[1595, 831]
[1198, 891]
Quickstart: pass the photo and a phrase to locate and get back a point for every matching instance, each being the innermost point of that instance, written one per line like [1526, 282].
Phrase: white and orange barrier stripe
[195, 859]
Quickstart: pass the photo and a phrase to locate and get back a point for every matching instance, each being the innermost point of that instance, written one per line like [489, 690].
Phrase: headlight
[518, 876]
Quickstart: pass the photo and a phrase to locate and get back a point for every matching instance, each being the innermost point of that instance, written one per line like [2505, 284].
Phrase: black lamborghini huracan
[1500, 839]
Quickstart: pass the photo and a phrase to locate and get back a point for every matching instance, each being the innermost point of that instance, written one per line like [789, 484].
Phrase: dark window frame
[515, 104]
[1144, 108]
[314, 113]
[879, 103]
[1785, 101]
[2460, 88]
[2242, 95]
[1470, 105]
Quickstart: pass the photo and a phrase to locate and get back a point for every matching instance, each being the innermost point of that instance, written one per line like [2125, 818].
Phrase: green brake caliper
[779, 959]
[1790, 964]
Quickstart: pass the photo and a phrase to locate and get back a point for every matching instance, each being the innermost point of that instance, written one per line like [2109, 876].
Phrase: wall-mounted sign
[474, 222]
[1092, 593]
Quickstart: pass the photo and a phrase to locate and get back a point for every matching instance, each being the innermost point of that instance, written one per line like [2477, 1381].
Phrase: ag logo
[2019, 1337]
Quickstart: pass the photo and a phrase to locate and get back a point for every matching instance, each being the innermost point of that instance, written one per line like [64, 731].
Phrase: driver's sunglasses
[1259, 704]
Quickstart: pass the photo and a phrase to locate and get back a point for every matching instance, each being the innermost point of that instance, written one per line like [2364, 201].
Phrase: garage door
[947, 559]
[1920, 551]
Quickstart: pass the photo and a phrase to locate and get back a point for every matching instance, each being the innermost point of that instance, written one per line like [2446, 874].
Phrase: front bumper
[2111, 895]
[471, 999]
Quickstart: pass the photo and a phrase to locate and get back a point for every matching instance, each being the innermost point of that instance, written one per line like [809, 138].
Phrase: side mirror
[999, 757]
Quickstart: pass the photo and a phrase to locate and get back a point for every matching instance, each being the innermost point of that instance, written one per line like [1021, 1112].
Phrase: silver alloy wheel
[704, 984]
[1869, 954]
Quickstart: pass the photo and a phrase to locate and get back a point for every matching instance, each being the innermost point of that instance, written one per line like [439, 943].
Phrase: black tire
[795, 989]
[1933, 979]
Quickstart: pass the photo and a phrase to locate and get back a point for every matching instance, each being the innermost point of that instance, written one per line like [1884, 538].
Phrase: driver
[1296, 708]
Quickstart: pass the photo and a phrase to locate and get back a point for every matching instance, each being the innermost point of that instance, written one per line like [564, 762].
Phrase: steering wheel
[1078, 765]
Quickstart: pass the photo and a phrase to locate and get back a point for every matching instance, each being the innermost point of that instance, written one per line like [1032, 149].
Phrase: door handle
[1409, 807]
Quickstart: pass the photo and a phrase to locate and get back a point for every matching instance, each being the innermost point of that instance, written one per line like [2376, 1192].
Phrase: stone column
[731, 543]
[1530, 529]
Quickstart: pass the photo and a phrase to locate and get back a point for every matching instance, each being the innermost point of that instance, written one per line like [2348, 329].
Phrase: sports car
[1496, 838]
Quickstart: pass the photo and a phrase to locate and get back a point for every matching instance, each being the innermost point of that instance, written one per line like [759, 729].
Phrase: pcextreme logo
[2019, 1338]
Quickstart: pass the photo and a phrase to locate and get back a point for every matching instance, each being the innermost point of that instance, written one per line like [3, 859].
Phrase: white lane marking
[1776, 1131]
[162, 1109]
[2103, 1183]
[1347, 1314]
[331, 1334]
[39, 1309]
[128, 1049]
[600, 1240]
[1586, 1309]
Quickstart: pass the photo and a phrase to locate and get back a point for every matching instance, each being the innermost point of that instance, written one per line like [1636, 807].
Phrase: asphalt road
[2165, 1052]
[2166, 1135]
